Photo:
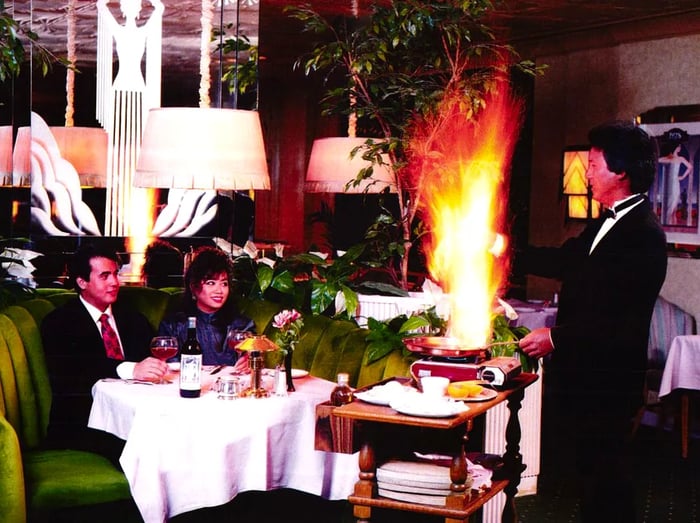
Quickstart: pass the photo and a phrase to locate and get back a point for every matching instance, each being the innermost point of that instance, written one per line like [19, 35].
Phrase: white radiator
[386, 307]
[530, 417]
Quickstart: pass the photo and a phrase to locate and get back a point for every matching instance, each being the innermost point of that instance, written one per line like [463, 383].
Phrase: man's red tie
[111, 341]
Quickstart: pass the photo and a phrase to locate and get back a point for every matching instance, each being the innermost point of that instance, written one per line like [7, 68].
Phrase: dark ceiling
[524, 22]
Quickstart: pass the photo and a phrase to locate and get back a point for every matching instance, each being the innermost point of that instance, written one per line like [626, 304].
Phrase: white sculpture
[54, 179]
[123, 103]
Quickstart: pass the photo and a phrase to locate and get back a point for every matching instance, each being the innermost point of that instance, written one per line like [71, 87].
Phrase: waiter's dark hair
[79, 265]
[627, 149]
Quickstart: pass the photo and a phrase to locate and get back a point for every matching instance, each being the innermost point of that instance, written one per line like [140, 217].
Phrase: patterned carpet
[667, 486]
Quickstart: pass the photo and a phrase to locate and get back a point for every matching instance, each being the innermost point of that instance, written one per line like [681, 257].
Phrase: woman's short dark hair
[207, 263]
[627, 149]
[79, 265]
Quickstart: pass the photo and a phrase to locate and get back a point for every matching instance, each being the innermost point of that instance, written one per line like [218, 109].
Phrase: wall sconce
[579, 199]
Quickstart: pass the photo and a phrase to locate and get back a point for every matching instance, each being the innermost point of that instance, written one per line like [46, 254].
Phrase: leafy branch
[387, 336]
[397, 68]
[13, 36]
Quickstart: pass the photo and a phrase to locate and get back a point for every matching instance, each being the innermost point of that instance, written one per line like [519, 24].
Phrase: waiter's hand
[538, 343]
[150, 369]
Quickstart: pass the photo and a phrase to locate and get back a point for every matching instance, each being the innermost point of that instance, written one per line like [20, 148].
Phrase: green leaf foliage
[502, 331]
[13, 38]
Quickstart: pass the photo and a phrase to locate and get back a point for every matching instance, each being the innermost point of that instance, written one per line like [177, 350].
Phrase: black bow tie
[612, 212]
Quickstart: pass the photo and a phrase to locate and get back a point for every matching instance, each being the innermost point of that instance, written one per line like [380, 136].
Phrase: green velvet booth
[35, 481]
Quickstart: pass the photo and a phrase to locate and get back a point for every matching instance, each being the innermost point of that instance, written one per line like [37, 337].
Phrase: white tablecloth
[183, 454]
[534, 315]
[682, 369]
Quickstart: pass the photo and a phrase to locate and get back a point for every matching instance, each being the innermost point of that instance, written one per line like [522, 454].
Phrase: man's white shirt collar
[611, 220]
[94, 312]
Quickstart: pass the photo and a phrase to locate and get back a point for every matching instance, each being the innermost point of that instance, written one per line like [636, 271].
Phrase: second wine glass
[234, 338]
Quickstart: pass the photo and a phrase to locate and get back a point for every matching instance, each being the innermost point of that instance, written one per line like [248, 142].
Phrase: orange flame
[465, 182]
[141, 226]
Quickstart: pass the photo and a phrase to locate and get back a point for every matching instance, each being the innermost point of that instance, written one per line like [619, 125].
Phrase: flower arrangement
[289, 323]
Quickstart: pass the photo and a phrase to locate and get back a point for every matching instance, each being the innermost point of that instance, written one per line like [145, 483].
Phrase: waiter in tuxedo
[610, 278]
[88, 338]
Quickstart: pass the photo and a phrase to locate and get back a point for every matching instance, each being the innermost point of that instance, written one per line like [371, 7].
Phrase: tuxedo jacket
[606, 301]
[76, 359]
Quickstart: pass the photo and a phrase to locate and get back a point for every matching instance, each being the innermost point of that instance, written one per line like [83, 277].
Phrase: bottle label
[191, 371]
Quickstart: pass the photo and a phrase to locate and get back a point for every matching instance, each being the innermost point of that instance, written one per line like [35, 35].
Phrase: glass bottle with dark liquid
[342, 393]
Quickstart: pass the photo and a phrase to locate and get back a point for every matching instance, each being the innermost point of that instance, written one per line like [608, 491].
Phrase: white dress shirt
[610, 221]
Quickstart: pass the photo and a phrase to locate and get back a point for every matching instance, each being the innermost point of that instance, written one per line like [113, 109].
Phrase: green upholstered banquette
[35, 481]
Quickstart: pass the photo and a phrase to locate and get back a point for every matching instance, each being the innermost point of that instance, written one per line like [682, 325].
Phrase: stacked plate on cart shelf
[414, 482]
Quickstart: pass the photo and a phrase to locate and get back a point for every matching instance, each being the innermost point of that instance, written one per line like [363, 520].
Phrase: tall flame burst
[142, 206]
[465, 187]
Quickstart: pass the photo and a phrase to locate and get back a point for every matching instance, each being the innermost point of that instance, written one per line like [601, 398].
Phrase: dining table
[682, 374]
[534, 314]
[182, 454]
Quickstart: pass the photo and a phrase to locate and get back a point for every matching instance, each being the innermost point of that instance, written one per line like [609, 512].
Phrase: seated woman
[208, 283]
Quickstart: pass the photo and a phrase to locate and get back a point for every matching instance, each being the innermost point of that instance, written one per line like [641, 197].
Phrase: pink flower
[285, 318]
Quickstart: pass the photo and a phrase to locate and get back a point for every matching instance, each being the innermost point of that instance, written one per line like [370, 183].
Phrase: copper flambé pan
[447, 347]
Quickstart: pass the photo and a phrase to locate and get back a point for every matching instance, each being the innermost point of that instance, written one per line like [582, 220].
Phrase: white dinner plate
[383, 394]
[484, 395]
[418, 405]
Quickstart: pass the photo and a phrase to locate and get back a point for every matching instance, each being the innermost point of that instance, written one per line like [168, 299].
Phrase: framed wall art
[674, 193]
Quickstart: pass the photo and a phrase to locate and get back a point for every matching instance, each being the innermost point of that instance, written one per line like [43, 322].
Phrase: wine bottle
[191, 363]
[342, 393]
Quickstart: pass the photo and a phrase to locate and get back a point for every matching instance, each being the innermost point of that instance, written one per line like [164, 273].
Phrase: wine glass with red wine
[234, 338]
[164, 348]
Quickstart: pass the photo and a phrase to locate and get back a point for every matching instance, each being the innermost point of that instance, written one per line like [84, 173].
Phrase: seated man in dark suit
[89, 338]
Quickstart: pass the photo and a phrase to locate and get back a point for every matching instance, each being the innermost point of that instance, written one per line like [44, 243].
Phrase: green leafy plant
[311, 283]
[388, 336]
[13, 38]
[503, 331]
[242, 74]
[16, 280]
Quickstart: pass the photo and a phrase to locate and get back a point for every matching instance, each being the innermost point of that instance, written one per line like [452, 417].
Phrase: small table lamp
[255, 346]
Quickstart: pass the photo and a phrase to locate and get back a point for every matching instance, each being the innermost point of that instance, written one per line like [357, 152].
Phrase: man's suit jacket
[76, 359]
[606, 301]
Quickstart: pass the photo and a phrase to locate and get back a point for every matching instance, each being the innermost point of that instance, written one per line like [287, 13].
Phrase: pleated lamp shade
[331, 168]
[202, 148]
[6, 155]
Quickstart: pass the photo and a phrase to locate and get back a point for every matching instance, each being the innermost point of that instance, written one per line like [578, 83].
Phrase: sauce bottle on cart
[342, 393]
[191, 363]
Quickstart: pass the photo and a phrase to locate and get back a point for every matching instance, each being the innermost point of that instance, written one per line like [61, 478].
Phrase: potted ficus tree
[396, 67]
[393, 70]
